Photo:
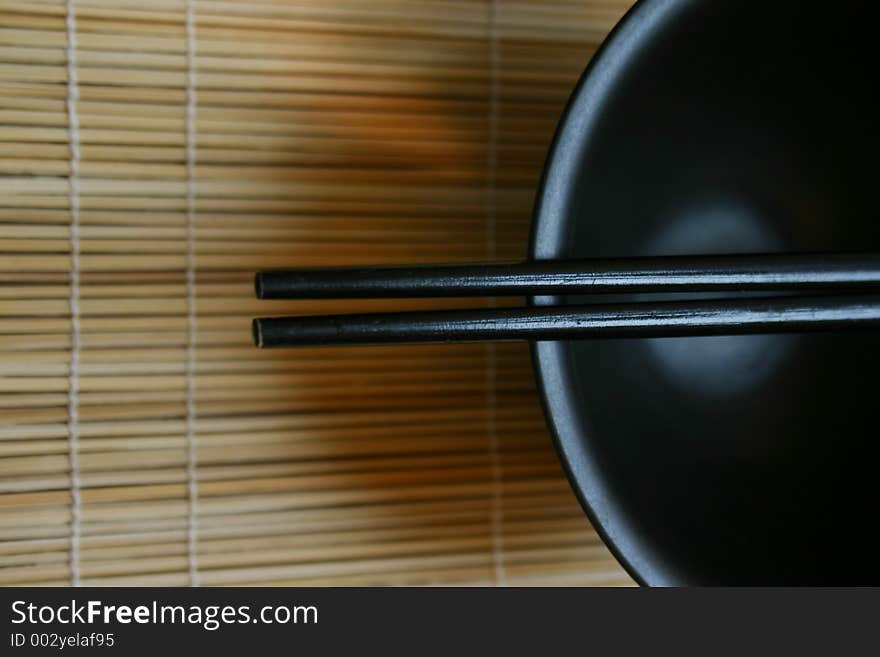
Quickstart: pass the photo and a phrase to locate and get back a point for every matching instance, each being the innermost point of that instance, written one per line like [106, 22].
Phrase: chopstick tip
[257, 332]
[258, 284]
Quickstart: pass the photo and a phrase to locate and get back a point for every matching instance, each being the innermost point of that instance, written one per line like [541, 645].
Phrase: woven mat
[153, 155]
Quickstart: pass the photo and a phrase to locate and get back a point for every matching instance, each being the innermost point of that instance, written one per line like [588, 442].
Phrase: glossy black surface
[646, 319]
[706, 126]
[836, 271]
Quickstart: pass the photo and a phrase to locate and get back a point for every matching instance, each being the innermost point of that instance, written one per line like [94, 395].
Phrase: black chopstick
[641, 320]
[656, 274]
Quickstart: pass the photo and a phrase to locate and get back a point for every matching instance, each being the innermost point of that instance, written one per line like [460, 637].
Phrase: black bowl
[707, 126]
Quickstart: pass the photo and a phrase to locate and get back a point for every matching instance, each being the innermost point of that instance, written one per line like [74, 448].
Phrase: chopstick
[639, 320]
[623, 275]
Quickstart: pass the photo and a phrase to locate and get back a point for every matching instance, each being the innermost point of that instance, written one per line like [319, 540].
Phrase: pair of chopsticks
[849, 284]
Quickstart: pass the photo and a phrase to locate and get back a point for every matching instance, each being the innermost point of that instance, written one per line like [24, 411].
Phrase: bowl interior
[711, 127]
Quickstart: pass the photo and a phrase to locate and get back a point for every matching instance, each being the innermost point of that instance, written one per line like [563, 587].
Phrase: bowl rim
[550, 359]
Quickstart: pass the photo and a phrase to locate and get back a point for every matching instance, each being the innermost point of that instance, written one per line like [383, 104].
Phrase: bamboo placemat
[153, 155]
